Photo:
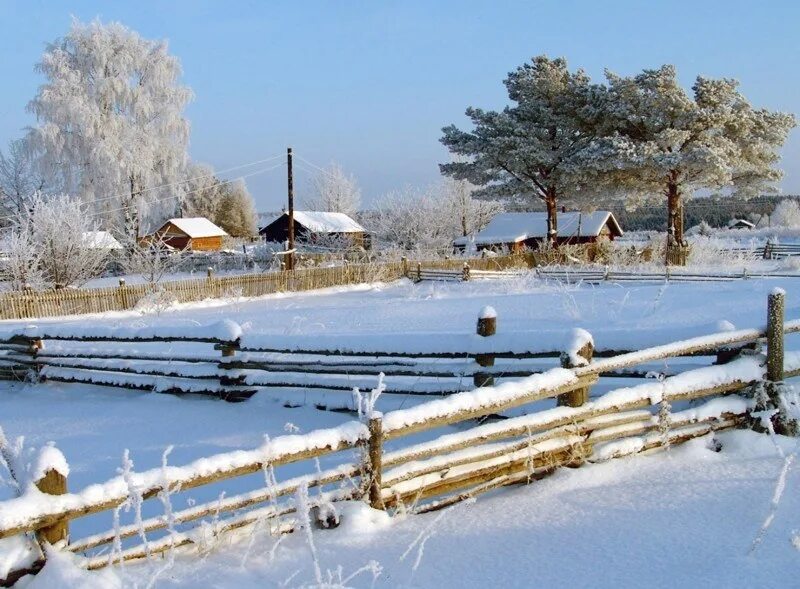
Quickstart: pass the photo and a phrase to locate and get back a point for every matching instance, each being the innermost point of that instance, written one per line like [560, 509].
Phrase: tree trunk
[552, 217]
[676, 245]
[674, 214]
[132, 214]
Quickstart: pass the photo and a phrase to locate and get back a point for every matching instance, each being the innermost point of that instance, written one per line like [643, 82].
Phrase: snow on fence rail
[319, 370]
[423, 476]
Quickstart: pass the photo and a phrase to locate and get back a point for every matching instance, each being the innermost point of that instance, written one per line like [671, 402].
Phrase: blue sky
[370, 84]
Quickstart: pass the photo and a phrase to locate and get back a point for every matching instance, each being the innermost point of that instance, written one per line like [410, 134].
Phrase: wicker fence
[30, 304]
[485, 453]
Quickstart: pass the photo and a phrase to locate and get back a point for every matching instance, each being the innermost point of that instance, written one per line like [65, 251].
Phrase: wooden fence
[426, 475]
[30, 304]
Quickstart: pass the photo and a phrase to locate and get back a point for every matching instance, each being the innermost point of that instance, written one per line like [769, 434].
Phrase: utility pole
[290, 188]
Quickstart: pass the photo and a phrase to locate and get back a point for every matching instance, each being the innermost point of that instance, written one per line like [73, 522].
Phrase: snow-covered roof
[515, 227]
[197, 227]
[100, 240]
[740, 223]
[324, 222]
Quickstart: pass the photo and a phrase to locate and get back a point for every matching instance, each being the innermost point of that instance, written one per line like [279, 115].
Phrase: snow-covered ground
[682, 518]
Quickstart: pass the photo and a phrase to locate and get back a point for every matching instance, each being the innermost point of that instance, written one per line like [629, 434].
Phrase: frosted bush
[156, 302]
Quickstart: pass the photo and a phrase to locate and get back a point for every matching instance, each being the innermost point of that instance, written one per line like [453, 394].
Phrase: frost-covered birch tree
[110, 124]
[467, 213]
[532, 149]
[335, 192]
[19, 179]
[660, 140]
[51, 244]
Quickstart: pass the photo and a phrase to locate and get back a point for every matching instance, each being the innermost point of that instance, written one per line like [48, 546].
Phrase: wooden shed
[311, 227]
[519, 231]
[194, 234]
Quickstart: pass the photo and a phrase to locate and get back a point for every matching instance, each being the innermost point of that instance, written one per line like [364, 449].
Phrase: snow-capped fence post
[487, 327]
[419, 271]
[36, 346]
[579, 353]
[209, 272]
[404, 263]
[53, 482]
[375, 459]
[465, 272]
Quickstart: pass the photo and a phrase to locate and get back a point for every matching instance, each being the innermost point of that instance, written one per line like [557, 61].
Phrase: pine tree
[335, 192]
[660, 140]
[534, 148]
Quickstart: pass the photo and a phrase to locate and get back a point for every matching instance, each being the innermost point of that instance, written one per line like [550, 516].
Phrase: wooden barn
[519, 231]
[192, 234]
[312, 227]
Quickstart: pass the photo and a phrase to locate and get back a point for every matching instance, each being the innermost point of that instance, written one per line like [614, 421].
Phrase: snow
[664, 518]
[777, 291]
[488, 312]
[325, 222]
[100, 240]
[226, 330]
[48, 458]
[577, 340]
[196, 227]
[473, 400]
[515, 227]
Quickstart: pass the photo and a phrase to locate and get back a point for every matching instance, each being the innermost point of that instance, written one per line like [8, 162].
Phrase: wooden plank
[490, 408]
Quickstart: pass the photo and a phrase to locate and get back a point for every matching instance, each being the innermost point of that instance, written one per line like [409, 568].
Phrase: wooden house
[192, 234]
[312, 227]
[520, 231]
[740, 224]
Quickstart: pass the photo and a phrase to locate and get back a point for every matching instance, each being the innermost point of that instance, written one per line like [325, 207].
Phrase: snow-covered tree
[786, 214]
[202, 192]
[534, 148]
[659, 140]
[151, 259]
[19, 179]
[236, 212]
[55, 230]
[468, 214]
[335, 192]
[110, 122]
[20, 266]
[413, 219]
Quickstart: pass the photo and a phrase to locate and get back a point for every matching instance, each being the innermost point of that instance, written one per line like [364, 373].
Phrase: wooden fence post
[419, 271]
[775, 317]
[487, 327]
[782, 422]
[123, 294]
[53, 483]
[577, 397]
[465, 272]
[375, 457]
[404, 263]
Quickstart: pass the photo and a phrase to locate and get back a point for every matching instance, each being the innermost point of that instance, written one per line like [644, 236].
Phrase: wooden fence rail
[445, 468]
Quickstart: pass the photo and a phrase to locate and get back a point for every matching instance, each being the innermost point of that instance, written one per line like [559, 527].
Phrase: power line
[191, 179]
[162, 199]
